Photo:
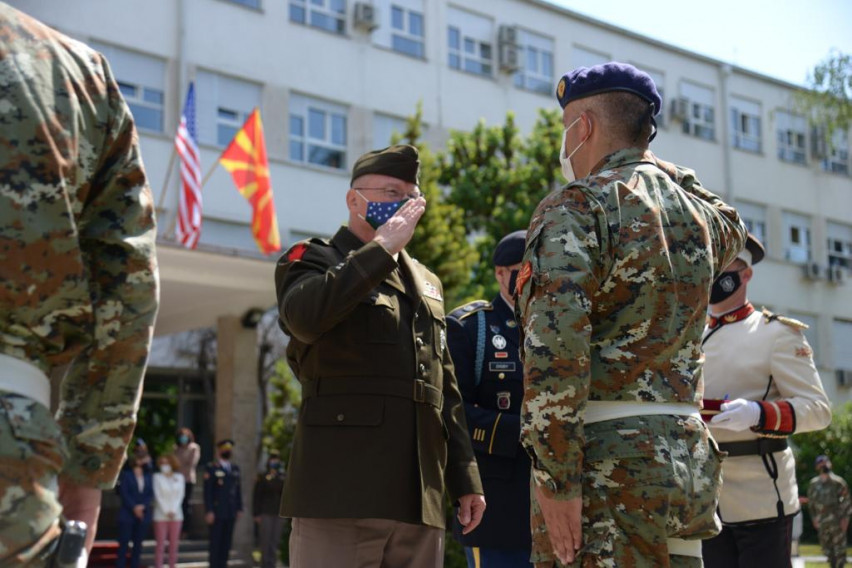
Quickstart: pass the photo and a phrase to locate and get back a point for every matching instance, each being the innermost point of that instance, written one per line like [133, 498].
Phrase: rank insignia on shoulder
[469, 309]
[794, 323]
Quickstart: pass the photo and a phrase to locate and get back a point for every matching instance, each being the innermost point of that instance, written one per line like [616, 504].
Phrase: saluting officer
[483, 340]
[770, 390]
[223, 502]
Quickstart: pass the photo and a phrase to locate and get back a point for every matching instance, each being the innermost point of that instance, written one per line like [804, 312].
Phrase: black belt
[759, 447]
[418, 390]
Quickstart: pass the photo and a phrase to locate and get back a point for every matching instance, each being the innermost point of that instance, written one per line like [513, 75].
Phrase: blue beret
[821, 459]
[510, 249]
[612, 76]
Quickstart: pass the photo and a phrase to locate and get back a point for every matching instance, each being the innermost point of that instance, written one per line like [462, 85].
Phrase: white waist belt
[602, 410]
[25, 379]
[684, 547]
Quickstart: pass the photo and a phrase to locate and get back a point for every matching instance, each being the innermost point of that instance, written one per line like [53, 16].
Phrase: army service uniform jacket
[222, 490]
[483, 341]
[765, 358]
[381, 430]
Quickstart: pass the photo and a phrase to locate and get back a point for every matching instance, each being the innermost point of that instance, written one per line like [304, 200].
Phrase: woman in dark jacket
[136, 489]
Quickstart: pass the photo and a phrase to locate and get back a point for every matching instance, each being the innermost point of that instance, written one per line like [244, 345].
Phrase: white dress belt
[23, 378]
[684, 547]
[602, 410]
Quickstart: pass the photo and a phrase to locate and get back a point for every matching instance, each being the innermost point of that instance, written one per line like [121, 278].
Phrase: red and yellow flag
[245, 158]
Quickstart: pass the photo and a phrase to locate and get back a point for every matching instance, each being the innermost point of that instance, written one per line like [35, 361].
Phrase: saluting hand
[398, 230]
[471, 508]
[564, 525]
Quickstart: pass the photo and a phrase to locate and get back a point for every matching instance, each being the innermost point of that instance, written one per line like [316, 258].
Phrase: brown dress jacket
[381, 430]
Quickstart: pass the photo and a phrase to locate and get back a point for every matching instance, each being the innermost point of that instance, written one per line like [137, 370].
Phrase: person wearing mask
[168, 515]
[136, 491]
[266, 498]
[188, 454]
[483, 341]
[223, 502]
[830, 508]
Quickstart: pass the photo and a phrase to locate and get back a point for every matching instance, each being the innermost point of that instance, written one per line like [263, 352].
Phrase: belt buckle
[419, 390]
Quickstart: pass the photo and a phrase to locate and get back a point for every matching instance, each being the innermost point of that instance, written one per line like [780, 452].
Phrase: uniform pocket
[344, 411]
[28, 430]
[622, 454]
[382, 318]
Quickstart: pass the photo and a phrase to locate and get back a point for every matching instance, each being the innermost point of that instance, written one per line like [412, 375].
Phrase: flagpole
[166, 182]
[210, 171]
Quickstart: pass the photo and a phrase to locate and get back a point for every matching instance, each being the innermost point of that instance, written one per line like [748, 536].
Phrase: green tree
[497, 177]
[439, 241]
[828, 99]
[835, 442]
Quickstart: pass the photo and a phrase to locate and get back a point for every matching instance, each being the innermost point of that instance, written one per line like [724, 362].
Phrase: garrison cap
[225, 444]
[613, 76]
[400, 161]
[510, 249]
[753, 251]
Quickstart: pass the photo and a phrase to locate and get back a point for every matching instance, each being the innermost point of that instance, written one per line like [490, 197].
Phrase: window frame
[329, 111]
[842, 258]
[788, 152]
[523, 77]
[405, 34]
[741, 124]
[802, 224]
[140, 102]
[309, 9]
[482, 60]
[836, 160]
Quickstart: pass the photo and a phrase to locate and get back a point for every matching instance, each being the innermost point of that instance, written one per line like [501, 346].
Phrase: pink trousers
[162, 529]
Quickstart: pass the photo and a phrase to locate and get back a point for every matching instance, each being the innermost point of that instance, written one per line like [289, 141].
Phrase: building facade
[335, 78]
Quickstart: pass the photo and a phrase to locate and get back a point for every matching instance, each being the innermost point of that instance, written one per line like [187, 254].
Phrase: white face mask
[565, 160]
[165, 468]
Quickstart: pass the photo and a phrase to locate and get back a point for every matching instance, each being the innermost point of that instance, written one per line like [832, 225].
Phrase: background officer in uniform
[223, 502]
[483, 341]
[759, 372]
[611, 296]
[266, 498]
[381, 431]
[830, 507]
[78, 283]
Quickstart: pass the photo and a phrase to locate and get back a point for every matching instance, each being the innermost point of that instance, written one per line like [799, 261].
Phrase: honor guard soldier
[483, 341]
[223, 502]
[760, 386]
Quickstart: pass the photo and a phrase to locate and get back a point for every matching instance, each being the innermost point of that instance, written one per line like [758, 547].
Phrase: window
[142, 81]
[842, 339]
[469, 40]
[317, 132]
[582, 57]
[791, 130]
[754, 217]
[839, 245]
[328, 15]
[837, 155]
[797, 237]
[745, 124]
[407, 31]
[536, 57]
[811, 333]
[700, 118]
[249, 3]
[659, 81]
[224, 104]
[384, 127]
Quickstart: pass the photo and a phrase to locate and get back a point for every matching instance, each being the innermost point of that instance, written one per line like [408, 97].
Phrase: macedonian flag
[245, 158]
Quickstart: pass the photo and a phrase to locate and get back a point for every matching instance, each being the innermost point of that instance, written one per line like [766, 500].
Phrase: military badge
[501, 355]
[431, 291]
[498, 341]
[804, 352]
[494, 328]
[511, 323]
[560, 88]
[504, 400]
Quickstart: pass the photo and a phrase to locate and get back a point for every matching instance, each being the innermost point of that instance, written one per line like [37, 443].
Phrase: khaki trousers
[364, 543]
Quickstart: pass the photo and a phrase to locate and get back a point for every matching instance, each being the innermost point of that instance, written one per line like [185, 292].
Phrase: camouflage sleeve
[845, 503]
[101, 391]
[813, 505]
[562, 271]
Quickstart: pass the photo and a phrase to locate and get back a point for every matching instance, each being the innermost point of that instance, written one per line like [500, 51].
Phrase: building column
[237, 413]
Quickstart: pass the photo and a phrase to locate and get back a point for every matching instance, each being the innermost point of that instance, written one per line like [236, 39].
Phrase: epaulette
[470, 308]
[794, 323]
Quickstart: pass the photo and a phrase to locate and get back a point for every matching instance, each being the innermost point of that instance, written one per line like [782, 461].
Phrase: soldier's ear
[746, 275]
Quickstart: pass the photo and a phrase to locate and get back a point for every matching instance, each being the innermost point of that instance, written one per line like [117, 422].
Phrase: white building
[334, 78]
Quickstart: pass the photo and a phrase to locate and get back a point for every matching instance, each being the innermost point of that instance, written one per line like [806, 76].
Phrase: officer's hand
[209, 518]
[471, 508]
[564, 525]
[738, 415]
[399, 229]
[139, 511]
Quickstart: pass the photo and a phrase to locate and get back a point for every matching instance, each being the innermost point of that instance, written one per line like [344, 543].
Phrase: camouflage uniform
[612, 294]
[829, 504]
[78, 279]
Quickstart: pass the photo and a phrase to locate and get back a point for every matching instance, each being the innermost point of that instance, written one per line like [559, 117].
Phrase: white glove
[738, 415]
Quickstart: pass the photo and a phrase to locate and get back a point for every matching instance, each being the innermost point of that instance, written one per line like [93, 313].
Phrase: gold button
[501, 376]
[340, 418]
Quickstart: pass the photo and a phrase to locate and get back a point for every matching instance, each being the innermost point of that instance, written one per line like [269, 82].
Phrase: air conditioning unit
[819, 144]
[844, 377]
[811, 270]
[508, 49]
[680, 108]
[836, 274]
[366, 17]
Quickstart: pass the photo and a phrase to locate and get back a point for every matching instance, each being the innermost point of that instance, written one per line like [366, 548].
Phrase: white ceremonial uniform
[765, 358]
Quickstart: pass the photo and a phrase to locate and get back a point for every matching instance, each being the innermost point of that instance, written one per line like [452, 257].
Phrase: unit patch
[504, 400]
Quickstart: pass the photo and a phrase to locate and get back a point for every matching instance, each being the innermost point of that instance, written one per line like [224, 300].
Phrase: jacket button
[418, 342]
[340, 417]
[416, 316]
[422, 369]
[501, 376]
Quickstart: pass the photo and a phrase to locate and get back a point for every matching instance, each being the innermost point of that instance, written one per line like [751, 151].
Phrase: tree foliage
[828, 99]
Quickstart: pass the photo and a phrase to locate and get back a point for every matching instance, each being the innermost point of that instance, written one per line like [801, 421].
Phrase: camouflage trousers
[645, 479]
[32, 452]
[832, 539]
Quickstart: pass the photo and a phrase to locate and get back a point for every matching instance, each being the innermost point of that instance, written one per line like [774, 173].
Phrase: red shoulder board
[523, 276]
[297, 252]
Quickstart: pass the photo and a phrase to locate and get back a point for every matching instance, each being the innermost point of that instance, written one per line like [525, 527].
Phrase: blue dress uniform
[223, 498]
[483, 341]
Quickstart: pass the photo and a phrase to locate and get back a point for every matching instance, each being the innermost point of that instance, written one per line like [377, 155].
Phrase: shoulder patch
[297, 252]
[791, 322]
[470, 308]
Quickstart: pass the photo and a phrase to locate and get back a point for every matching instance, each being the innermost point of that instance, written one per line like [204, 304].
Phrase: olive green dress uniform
[381, 429]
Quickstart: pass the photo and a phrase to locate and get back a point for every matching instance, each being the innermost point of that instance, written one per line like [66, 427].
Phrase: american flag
[188, 227]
